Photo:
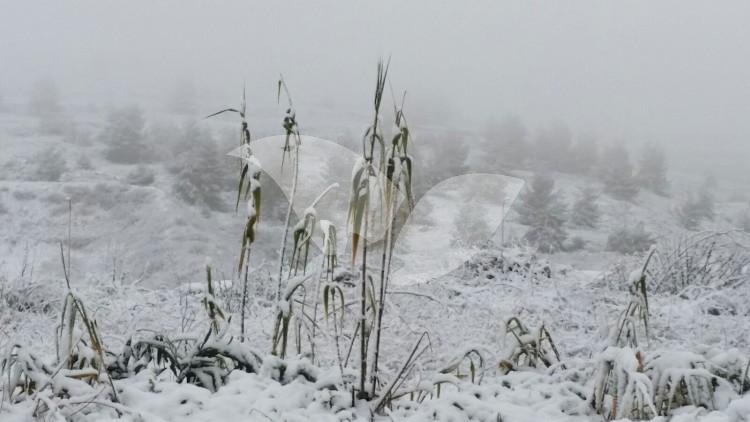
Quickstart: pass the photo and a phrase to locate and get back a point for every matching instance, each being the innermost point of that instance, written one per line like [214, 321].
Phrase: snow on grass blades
[533, 348]
[637, 309]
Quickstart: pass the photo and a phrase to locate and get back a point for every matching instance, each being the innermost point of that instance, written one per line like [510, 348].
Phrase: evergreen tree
[124, 136]
[585, 211]
[652, 170]
[617, 173]
[202, 174]
[697, 207]
[544, 212]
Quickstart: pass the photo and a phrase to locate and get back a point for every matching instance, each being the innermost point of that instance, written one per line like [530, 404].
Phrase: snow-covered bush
[49, 165]
[695, 208]
[700, 260]
[123, 136]
[630, 240]
[141, 175]
[621, 388]
[652, 170]
[681, 379]
[74, 134]
[201, 174]
[84, 162]
[532, 347]
[616, 172]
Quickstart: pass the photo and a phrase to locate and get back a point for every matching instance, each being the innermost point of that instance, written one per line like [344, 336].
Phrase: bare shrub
[699, 260]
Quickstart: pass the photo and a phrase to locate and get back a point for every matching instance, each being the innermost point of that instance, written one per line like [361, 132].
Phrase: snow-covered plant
[205, 362]
[621, 388]
[292, 144]
[245, 166]
[698, 261]
[694, 209]
[284, 314]
[630, 240]
[249, 182]
[302, 236]
[124, 136]
[397, 185]
[364, 178]
[49, 164]
[637, 309]
[475, 359]
[213, 310]
[330, 241]
[533, 347]
[681, 379]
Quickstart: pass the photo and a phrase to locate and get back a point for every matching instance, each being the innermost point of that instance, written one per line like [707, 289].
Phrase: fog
[672, 72]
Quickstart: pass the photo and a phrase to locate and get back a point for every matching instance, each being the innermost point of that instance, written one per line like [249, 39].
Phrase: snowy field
[472, 331]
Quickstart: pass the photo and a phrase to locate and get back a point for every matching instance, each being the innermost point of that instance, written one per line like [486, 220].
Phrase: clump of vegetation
[652, 170]
[49, 165]
[533, 347]
[542, 209]
[698, 260]
[621, 388]
[696, 208]
[84, 162]
[124, 136]
[141, 176]
[637, 313]
[630, 240]
[616, 172]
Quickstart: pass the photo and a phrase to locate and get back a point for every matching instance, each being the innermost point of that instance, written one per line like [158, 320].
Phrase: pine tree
[124, 136]
[585, 211]
[544, 212]
[617, 173]
[202, 175]
[697, 207]
[652, 170]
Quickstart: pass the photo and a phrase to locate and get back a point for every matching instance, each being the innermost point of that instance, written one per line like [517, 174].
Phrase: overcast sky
[675, 72]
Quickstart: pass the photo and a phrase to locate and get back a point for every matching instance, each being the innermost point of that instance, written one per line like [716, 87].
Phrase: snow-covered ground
[138, 257]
